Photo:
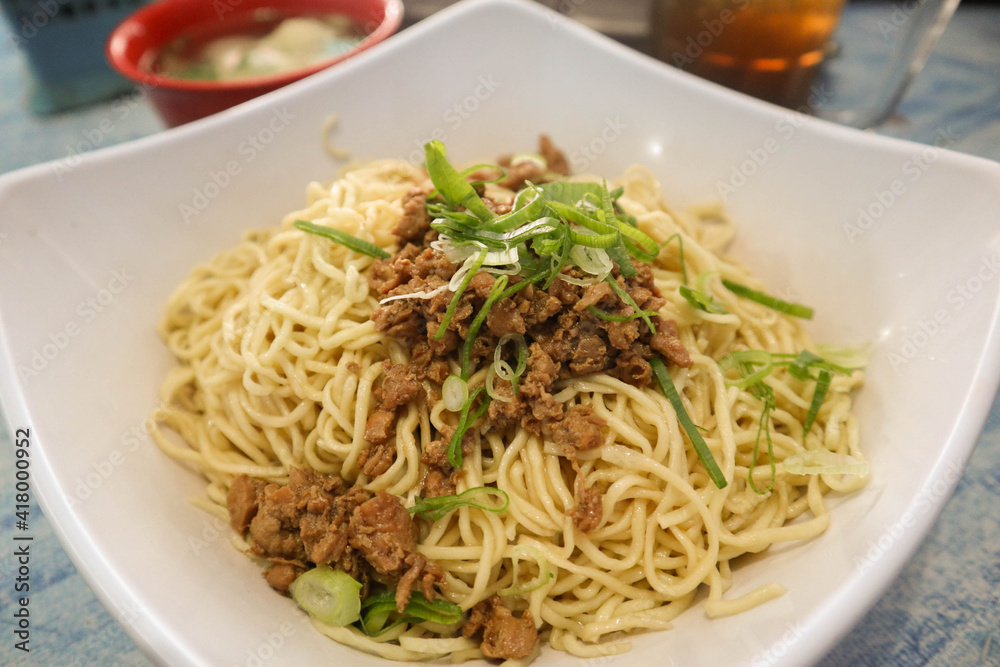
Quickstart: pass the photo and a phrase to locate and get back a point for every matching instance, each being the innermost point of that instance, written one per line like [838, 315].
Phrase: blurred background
[54, 77]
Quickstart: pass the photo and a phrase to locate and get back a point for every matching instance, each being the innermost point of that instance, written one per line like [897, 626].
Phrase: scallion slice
[331, 596]
[701, 300]
[453, 305]
[342, 238]
[526, 552]
[451, 185]
[700, 447]
[745, 361]
[610, 317]
[617, 252]
[437, 508]
[503, 370]
[454, 393]
[627, 298]
[774, 303]
[680, 254]
[470, 338]
[766, 394]
[824, 462]
[819, 394]
[379, 607]
[466, 420]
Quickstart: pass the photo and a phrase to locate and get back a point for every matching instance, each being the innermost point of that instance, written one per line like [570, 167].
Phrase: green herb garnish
[437, 508]
[379, 607]
[627, 298]
[611, 317]
[753, 368]
[700, 447]
[496, 292]
[451, 185]
[343, 238]
[466, 420]
[453, 304]
[819, 394]
[774, 303]
[329, 595]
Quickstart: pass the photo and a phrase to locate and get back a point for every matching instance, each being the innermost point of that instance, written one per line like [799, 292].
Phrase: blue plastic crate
[64, 44]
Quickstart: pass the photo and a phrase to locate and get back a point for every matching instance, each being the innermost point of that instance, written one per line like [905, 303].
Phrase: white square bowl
[893, 243]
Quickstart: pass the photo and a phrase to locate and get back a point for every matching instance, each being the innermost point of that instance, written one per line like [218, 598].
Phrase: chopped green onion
[529, 211]
[506, 373]
[521, 158]
[453, 305]
[609, 317]
[680, 246]
[331, 596]
[490, 382]
[560, 260]
[465, 420]
[603, 241]
[822, 385]
[849, 358]
[801, 365]
[645, 247]
[774, 303]
[617, 252]
[627, 298]
[766, 394]
[745, 360]
[525, 552]
[451, 185]
[343, 238]
[824, 462]
[437, 508]
[701, 300]
[378, 607]
[465, 173]
[700, 447]
[567, 192]
[496, 291]
[454, 393]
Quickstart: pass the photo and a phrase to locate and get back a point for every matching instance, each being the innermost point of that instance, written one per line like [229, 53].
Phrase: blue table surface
[943, 610]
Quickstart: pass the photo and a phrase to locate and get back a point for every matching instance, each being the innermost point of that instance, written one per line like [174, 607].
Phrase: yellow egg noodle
[279, 356]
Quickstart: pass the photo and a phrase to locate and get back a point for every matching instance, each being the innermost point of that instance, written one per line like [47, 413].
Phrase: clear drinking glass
[773, 49]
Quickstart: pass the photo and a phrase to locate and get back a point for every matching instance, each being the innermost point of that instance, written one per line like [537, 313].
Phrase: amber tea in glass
[770, 49]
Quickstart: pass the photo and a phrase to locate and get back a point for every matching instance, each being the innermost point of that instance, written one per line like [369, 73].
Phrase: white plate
[92, 250]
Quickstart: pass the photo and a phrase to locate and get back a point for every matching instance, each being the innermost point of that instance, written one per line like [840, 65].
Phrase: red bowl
[138, 40]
